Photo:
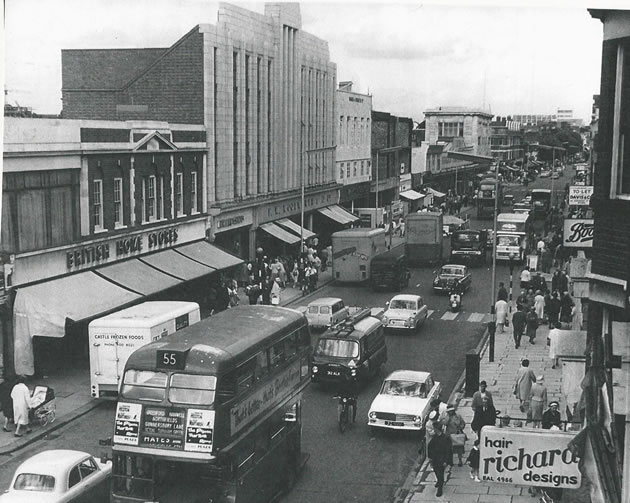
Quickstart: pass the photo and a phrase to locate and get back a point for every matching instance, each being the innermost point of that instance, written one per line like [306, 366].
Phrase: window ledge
[119, 226]
[621, 197]
[100, 230]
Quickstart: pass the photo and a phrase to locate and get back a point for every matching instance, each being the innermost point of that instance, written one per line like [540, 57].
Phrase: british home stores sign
[529, 457]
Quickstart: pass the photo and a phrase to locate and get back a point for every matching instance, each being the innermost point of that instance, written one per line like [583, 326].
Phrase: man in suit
[519, 320]
[479, 394]
[440, 453]
[485, 415]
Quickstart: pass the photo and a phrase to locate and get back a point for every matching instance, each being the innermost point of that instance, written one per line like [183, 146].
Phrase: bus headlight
[315, 369]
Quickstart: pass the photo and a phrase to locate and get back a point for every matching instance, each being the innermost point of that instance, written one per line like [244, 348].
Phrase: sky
[507, 57]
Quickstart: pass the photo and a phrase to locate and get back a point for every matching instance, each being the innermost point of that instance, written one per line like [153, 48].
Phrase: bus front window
[144, 385]
[192, 389]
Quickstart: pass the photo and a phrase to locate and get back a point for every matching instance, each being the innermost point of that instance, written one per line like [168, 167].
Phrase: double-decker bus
[212, 413]
[489, 190]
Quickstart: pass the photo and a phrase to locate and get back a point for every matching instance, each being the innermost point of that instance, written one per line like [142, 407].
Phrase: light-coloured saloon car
[405, 312]
[59, 476]
[403, 403]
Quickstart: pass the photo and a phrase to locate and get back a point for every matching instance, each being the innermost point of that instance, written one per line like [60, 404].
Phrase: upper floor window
[118, 202]
[341, 169]
[362, 168]
[341, 130]
[620, 173]
[179, 195]
[354, 168]
[450, 129]
[193, 192]
[148, 196]
[348, 171]
[160, 198]
[97, 204]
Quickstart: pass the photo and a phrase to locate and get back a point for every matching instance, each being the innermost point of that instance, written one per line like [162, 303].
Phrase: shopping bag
[458, 439]
[507, 322]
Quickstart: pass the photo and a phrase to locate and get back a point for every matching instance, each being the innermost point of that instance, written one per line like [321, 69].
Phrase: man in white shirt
[526, 277]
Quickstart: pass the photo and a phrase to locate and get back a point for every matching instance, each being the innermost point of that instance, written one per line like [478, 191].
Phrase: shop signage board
[290, 207]
[578, 233]
[580, 195]
[528, 457]
[232, 220]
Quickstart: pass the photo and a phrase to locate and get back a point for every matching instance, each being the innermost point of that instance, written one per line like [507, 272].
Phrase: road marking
[487, 318]
[449, 316]
[430, 312]
[476, 317]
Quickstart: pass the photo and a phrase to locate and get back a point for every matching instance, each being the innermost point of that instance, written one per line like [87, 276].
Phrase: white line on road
[449, 316]
[476, 317]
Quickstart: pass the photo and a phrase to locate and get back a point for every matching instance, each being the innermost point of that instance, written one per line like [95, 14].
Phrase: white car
[405, 312]
[59, 476]
[403, 403]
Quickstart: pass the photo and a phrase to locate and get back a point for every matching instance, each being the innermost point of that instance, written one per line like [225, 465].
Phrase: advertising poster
[127, 425]
[163, 427]
[529, 457]
[580, 195]
[199, 428]
[578, 233]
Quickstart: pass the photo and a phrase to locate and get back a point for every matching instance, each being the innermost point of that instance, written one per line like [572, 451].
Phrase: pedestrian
[525, 278]
[402, 229]
[553, 311]
[519, 322]
[537, 400]
[21, 397]
[478, 395]
[266, 291]
[547, 260]
[576, 315]
[525, 377]
[454, 425]
[486, 415]
[539, 305]
[501, 310]
[522, 300]
[253, 291]
[433, 424]
[502, 294]
[275, 292]
[551, 417]
[440, 454]
[473, 461]
[563, 282]
[222, 301]
[6, 402]
[233, 293]
[531, 321]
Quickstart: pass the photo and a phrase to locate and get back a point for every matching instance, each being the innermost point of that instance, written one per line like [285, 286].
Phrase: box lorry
[114, 337]
[353, 251]
[513, 236]
[424, 237]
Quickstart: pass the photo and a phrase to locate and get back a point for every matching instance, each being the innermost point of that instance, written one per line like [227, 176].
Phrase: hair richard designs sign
[526, 456]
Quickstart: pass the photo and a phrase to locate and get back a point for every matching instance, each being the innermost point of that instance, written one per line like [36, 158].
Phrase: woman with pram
[21, 397]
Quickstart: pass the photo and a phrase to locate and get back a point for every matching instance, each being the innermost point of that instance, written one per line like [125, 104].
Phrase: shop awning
[138, 277]
[436, 193]
[208, 254]
[411, 195]
[42, 309]
[278, 232]
[177, 265]
[295, 228]
[338, 214]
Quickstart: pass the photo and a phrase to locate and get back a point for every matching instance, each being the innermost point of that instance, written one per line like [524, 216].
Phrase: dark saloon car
[452, 276]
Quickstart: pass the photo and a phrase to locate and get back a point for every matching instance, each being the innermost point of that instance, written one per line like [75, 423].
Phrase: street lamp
[494, 267]
[512, 256]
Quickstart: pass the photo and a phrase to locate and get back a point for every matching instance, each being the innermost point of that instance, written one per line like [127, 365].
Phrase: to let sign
[578, 233]
[527, 456]
[580, 195]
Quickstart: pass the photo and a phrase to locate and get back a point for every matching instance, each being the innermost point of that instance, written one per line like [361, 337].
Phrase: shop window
[97, 205]
[620, 186]
[193, 192]
[118, 202]
[179, 199]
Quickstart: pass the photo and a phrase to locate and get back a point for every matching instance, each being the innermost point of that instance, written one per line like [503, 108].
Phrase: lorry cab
[390, 270]
[353, 348]
[469, 246]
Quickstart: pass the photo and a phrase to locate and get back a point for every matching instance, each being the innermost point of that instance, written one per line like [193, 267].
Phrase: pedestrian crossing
[459, 316]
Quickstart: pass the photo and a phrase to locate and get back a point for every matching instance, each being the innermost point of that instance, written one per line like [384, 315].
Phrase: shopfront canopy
[436, 193]
[295, 228]
[208, 254]
[411, 195]
[138, 277]
[280, 233]
[338, 214]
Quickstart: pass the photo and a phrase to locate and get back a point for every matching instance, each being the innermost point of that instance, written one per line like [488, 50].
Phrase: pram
[43, 405]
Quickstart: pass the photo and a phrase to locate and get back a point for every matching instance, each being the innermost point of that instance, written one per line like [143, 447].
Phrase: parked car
[545, 174]
[406, 312]
[451, 276]
[325, 312]
[555, 176]
[403, 403]
[59, 476]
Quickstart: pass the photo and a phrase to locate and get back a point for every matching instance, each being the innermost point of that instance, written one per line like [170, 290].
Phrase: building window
[160, 198]
[348, 171]
[620, 183]
[354, 169]
[148, 194]
[97, 205]
[341, 130]
[193, 192]
[451, 129]
[341, 171]
[362, 168]
[179, 199]
[118, 205]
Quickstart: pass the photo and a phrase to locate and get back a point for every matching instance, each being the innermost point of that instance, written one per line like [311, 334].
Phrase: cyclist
[348, 390]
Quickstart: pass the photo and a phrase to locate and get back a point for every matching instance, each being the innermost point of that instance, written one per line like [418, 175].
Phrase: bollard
[472, 372]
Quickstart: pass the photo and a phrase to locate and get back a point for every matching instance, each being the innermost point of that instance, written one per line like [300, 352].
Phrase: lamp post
[494, 267]
[511, 257]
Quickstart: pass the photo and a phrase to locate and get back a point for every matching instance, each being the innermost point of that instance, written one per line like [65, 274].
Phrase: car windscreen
[452, 271]
[508, 241]
[402, 304]
[466, 237]
[144, 385]
[337, 348]
[404, 388]
[34, 482]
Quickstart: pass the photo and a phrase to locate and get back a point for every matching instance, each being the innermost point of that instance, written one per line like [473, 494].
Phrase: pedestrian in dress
[6, 402]
[525, 377]
[501, 310]
[454, 424]
[275, 292]
[440, 454]
[538, 400]
[21, 397]
[531, 321]
[519, 321]
[479, 395]
[486, 415]
[539, 305]
[502, 293]
[473, 461]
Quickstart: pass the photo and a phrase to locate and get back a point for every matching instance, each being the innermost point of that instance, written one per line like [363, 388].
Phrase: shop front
[58, 291]
[231, 231]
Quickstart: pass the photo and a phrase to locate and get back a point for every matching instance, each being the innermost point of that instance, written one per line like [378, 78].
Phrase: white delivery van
[114, 337]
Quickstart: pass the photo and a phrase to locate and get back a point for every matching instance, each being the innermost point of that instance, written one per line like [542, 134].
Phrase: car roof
[456, 266]
[324, 301]
[53, 462]
[408, 375]
[406, 296]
